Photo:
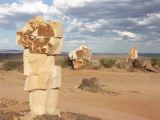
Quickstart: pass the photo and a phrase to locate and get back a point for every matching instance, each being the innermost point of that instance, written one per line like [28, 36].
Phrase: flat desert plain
[130, 96]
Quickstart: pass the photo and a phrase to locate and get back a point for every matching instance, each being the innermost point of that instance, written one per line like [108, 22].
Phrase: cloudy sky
[107, 26]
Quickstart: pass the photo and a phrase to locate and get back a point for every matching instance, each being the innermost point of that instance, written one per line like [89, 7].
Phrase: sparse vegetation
[12, 65]
[107, 62]
[64, 62]
[93, 65]
[155, 61]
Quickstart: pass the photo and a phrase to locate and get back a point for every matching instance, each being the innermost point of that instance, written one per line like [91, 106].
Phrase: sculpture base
[44, 102]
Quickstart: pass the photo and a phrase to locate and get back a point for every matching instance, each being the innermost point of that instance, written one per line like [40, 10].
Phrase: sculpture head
[40, 36]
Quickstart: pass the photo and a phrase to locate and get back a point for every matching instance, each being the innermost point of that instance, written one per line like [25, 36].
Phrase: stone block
[44, 101]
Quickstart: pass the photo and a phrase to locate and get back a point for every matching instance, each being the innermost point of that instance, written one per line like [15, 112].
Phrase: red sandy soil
[135, 95]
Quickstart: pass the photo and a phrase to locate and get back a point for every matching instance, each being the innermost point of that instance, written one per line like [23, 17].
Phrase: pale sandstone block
[44, 101]
[133, 54]
[58, 29]
[37, 102]
[26, 64]
[37, 81]
[44, 80]
[41, 62]
[52, 101]
[44, 73]
[55, 81]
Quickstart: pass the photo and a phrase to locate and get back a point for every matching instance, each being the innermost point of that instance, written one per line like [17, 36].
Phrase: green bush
[107, 62]
[12, 65]
[155, 61]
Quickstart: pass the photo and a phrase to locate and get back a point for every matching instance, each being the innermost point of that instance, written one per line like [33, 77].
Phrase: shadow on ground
[9, 115]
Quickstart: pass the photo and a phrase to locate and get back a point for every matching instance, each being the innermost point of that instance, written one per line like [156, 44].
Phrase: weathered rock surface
[40, 36]
[80, 56]
[83, 52]
[133, 54]
[79, 63]
[137, 63]
[41, 40]
[91, 85]
[144, 64]
[134, 62]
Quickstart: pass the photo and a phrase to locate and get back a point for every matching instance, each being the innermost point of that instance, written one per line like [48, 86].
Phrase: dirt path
[137, 98]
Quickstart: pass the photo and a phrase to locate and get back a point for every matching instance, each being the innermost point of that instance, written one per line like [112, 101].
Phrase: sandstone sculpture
[41, 40]
[133, 54]
[80, 56]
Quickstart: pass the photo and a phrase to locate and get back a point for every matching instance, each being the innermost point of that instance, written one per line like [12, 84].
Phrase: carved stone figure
[80, 56]
[133, 54]
[41, 40]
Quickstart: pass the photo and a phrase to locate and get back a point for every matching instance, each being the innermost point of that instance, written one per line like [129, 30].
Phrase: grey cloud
[121, 15]
[118, 15]
[111, 9]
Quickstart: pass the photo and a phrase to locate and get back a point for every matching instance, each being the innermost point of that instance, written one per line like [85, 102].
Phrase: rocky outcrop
[144, 64]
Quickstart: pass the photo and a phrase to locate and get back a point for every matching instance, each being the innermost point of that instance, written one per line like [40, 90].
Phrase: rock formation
[80, 56]
[144, 64]
[41, 40]
[134, 62]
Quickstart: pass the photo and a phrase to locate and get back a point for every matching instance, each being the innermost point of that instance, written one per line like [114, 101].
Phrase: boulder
[90, 83]
[144, 64]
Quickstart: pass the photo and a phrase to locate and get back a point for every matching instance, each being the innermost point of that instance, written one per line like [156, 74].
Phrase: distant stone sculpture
[133, 62]
[80, 56]
[41, 40]
[133, 54]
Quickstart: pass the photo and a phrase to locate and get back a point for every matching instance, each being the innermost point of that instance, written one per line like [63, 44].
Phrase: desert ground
[130, 96]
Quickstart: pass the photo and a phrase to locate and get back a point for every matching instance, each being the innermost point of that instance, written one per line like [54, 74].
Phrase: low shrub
[64, 62]
[13, 65]
[155, 61]
[107, 62]
[93, 65]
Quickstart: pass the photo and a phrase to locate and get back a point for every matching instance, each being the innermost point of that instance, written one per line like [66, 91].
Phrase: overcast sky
[107, 26]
